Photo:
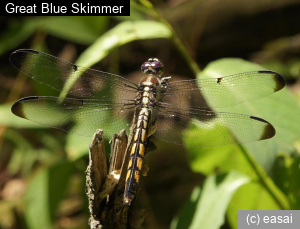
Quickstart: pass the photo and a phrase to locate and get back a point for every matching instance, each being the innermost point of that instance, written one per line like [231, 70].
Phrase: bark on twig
[96, 171]
[105, 191]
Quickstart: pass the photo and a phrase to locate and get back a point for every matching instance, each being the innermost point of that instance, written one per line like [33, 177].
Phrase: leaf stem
[266, 181]
[148, 8]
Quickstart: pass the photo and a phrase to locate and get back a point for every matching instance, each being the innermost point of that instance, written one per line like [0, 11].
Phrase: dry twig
[105, 191]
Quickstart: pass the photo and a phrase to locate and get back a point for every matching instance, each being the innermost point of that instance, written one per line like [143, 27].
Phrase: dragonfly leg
[165, 81]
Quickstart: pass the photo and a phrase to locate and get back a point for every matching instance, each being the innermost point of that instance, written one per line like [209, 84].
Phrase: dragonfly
[178, 112]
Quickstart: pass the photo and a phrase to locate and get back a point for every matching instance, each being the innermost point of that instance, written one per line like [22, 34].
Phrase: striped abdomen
[137, 153]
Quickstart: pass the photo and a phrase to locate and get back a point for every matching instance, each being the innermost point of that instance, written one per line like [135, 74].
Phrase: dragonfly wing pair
[191, 116]
[107, 101]
[77, 116]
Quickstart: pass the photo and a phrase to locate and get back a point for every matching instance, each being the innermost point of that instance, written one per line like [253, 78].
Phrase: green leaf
[223, 158]
[121, 34]
[77, 146]
[16, 34]
[45, 190]
[280, 109]
[206, 208]
[23, 157]
[285, 173]
[251, 196]
[78, 29]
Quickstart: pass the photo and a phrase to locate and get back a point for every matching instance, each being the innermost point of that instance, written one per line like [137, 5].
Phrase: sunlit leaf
[280, 109]
[223, 158]
[207, 206]
[77, 146]
[251, 196]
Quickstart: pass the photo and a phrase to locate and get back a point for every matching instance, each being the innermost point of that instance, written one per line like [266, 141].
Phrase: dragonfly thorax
[150, 80]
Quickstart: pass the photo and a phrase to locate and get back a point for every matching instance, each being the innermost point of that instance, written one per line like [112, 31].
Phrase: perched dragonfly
[167, 110]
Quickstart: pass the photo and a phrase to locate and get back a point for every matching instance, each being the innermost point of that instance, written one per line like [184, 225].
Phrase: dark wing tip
[25, 50]
[280, 80]
[17, 107]
[269, 130]
[17, 52]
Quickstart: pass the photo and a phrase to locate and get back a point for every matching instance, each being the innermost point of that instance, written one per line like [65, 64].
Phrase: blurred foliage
[42, 170]
[207, 207]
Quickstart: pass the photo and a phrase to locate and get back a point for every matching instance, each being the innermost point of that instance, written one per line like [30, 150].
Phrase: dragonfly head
[153, 66]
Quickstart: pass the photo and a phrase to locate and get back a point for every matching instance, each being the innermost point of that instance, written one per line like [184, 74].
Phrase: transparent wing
[200, 128]
[58, 73]
[225, 91]
[77, 116]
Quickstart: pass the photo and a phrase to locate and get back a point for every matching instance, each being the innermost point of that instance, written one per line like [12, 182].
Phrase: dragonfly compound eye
[152, 66]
